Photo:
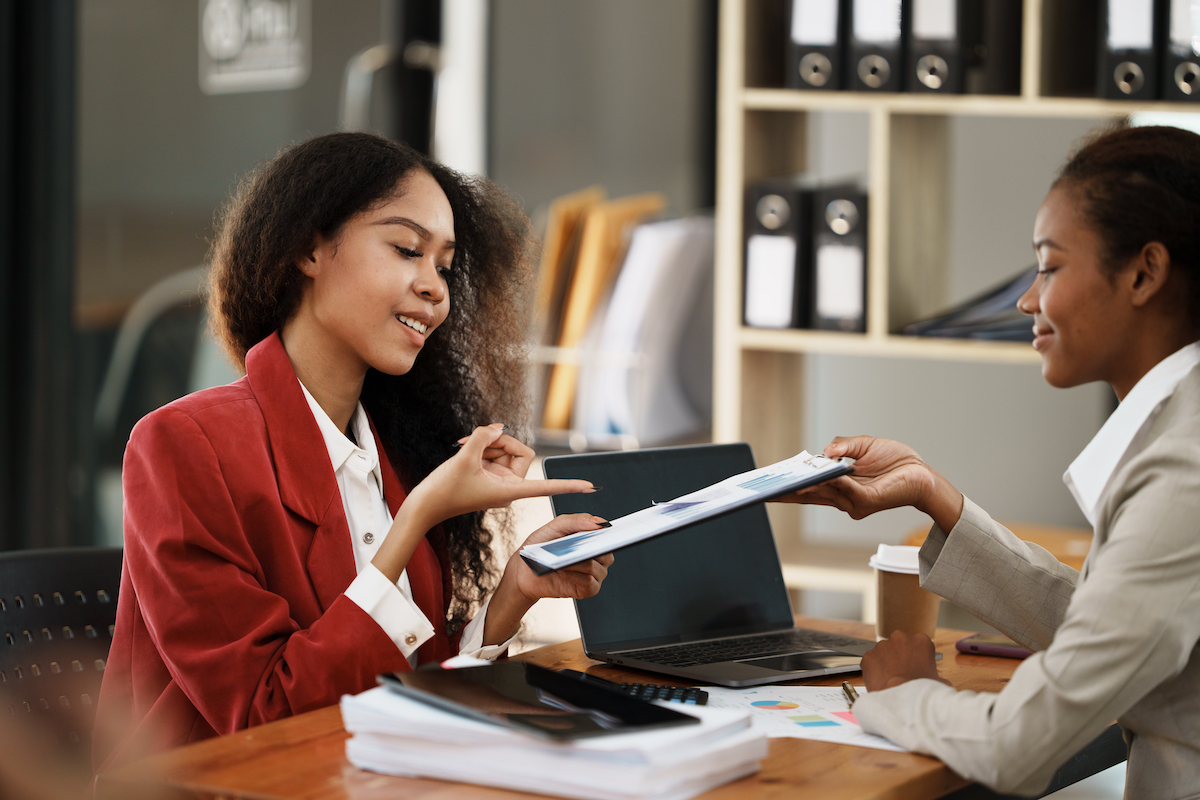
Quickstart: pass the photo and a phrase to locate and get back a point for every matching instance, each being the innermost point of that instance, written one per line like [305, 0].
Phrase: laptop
[706, 603]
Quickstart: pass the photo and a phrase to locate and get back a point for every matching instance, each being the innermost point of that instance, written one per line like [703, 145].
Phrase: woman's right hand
[488, 471]
[887, 474]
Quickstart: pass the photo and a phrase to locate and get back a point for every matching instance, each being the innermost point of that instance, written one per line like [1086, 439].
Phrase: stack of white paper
[399, 736]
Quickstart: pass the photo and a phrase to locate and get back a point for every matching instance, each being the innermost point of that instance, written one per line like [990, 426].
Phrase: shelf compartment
[950, 105]
[888, 346]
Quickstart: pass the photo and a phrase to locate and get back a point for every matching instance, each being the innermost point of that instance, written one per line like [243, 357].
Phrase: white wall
[608, 92]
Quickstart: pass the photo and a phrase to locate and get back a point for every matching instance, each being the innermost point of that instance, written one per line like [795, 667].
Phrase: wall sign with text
[254, 45]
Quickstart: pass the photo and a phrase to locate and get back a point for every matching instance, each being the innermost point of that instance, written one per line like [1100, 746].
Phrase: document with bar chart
[800, 712]
[742, 490]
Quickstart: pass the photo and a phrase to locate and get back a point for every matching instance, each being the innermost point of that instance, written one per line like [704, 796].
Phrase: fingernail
[602, 523]
[457, 445]
[596, 488]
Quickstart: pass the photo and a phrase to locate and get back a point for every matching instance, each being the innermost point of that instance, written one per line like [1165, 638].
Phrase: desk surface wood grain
[303, 758]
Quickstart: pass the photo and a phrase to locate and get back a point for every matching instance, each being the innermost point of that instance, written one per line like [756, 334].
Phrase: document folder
[992, 315]
[777, 275]
[731, 494]
[991, 31]
[935, 46]
[815, 60]
[839, 226]
[875, 63]
[1181, 52]
[1128, 62]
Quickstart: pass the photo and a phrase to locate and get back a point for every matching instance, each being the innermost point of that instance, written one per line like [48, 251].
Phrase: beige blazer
[1117, 640]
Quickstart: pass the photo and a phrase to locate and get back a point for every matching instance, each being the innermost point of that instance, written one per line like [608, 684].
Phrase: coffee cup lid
[896, 558]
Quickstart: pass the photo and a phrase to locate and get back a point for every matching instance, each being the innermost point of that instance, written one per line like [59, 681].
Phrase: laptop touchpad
[796, 662]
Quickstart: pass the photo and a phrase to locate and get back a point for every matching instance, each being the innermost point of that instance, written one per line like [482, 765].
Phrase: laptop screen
[718, 578]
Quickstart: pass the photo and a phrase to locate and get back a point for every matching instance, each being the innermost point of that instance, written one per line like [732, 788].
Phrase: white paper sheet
[800, 712]
[770, 281]
[815, 22]
[1130, 24]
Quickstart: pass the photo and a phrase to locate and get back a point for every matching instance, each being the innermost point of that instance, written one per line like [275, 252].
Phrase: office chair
[162, 352]
[57, 610]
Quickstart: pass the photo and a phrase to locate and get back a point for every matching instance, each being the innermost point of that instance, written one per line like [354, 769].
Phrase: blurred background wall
[574, 93]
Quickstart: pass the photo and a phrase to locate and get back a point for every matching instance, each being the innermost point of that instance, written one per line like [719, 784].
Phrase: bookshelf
[758, 392]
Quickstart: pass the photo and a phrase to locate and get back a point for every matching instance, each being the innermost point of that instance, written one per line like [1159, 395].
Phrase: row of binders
[943, 46]
[623, 317]
[806, 256]
[1145, 49]
[1149, 50]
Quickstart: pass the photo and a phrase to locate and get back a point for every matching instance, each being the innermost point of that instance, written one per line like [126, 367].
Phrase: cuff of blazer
[941, 556]
[401, 619]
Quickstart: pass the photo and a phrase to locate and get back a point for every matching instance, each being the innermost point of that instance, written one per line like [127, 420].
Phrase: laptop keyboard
[740, 649]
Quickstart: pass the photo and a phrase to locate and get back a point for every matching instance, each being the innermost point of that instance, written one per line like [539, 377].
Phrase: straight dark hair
[1140, 185]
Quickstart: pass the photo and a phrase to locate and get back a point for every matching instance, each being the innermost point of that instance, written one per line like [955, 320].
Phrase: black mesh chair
[57, 609]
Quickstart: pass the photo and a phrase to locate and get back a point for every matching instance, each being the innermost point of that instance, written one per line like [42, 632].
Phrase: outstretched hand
[887, 474]
[488, 471]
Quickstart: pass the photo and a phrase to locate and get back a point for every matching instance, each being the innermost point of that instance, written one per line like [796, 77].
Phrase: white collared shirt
[360, 483]
[1122, 436]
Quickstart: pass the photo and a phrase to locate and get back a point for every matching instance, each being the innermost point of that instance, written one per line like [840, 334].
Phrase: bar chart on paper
[800, 712]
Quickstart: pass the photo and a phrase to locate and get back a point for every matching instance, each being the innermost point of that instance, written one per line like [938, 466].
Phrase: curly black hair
[471, 372]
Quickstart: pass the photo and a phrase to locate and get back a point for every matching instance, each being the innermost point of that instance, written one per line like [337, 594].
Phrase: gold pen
[851, 695]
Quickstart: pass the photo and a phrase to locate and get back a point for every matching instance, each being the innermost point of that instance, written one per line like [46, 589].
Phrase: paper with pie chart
[800, 712]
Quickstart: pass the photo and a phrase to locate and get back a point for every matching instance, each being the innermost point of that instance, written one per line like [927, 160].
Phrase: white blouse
[391, 605]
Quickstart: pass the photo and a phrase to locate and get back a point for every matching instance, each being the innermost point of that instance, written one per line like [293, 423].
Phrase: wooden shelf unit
[761, 133]
[758, 389]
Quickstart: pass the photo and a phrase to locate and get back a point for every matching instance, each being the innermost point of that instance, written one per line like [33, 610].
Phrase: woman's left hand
[577, 581]
[521, 587]
[901, 658]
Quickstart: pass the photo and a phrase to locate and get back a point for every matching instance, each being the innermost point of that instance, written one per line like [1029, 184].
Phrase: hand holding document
[731, 494]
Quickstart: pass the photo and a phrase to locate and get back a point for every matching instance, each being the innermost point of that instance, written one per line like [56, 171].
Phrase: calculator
[689, 695]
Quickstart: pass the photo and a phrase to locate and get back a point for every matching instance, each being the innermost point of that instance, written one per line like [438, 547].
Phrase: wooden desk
[303, 758]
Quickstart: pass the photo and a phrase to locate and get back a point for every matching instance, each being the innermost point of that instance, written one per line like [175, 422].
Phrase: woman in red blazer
[244, 598]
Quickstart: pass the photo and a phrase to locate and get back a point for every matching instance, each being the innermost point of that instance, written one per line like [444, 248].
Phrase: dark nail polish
[604, 524]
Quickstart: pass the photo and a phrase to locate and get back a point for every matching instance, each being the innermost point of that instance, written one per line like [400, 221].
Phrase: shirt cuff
[472, 638]
[401, 619]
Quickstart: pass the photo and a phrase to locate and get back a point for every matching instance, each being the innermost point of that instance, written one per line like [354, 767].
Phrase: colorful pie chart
[774, 705]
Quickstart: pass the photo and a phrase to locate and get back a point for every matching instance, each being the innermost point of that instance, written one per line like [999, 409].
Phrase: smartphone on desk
[991, 644]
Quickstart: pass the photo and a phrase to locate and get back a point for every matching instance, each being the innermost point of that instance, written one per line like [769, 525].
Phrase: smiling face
[378, 289]
[1080, 315]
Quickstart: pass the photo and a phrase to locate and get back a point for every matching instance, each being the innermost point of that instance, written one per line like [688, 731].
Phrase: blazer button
[368, 537]
[410, 639]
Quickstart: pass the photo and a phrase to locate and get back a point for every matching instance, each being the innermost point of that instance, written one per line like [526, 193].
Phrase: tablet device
[532, 700]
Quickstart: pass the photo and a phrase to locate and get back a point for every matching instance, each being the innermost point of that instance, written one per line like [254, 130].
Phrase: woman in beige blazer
[1116, 299]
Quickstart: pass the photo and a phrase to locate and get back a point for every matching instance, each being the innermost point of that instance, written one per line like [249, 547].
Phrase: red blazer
[237, 552]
